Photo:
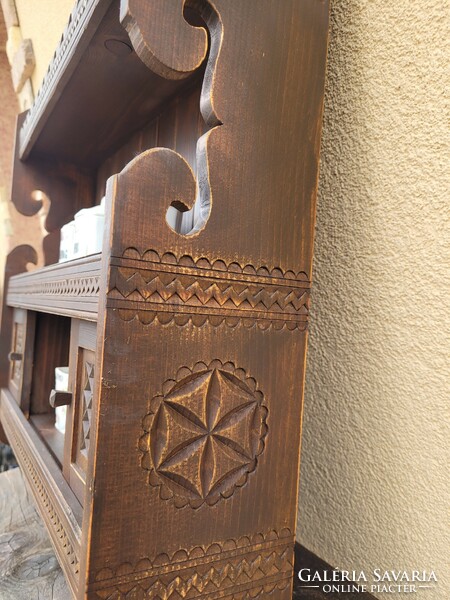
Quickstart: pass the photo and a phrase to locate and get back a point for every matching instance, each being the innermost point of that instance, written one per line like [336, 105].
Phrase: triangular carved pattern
[87, 395]
[203, 437]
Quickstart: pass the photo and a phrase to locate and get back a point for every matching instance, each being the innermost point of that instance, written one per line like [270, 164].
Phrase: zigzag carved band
[184, 290]
[242, 572]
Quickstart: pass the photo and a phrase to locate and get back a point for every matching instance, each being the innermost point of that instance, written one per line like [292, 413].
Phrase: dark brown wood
[54, 439]
[58, 398]
[178, 126]
[43, 575]
[188, 379]
[68, 289]
[167, 44]
[51, 350]
[62, 188]
[83, 341]
[93, 96]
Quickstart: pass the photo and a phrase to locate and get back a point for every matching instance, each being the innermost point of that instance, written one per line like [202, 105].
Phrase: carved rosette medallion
[203, 435]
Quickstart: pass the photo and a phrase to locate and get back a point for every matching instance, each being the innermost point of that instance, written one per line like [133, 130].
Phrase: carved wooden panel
[257, 566]
[79, 414]
[86, 391]
[204, 435]
[21, 353]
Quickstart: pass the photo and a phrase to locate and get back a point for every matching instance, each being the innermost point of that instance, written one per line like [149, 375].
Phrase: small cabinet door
[79, 415]
[21, 357]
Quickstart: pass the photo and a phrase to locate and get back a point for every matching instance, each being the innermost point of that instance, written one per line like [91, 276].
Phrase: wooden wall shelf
[199, 122]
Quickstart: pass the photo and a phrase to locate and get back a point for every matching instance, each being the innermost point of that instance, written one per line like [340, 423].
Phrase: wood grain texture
[90, 95]
[22, 349]
[67, 289]
[162, 38]
[178, 304]
[51, 350]
[260, 135]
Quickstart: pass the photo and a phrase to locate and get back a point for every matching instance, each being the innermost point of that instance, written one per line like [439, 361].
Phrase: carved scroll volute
[173, 56]
[132, 194]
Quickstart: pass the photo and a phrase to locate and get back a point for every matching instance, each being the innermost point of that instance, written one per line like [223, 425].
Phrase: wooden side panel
[199, 380]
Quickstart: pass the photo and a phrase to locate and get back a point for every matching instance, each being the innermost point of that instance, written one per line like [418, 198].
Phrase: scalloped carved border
[169, 258]
[267, 559]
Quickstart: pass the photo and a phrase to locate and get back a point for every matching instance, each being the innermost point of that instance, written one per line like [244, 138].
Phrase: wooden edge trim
[55, 501]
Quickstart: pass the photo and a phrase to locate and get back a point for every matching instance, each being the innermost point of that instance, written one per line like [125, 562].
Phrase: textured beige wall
[375, 461]
[43, 21]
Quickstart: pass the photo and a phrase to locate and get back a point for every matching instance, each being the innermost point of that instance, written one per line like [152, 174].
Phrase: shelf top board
[69, 289]
[96, 93]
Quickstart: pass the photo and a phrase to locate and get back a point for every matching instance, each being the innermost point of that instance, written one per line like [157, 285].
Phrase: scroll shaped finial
[148, 24]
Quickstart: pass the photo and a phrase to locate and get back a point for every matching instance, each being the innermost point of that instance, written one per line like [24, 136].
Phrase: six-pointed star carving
[206, 432]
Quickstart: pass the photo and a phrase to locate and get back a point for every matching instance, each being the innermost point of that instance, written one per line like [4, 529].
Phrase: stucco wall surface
[374, 486]
[43, 21]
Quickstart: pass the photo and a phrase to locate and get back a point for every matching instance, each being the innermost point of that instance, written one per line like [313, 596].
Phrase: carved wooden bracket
[174, 49]
[60, 188]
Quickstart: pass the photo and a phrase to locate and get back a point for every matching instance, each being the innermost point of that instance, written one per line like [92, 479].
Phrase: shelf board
[54, 439]
[96, 92]
[69, 289]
